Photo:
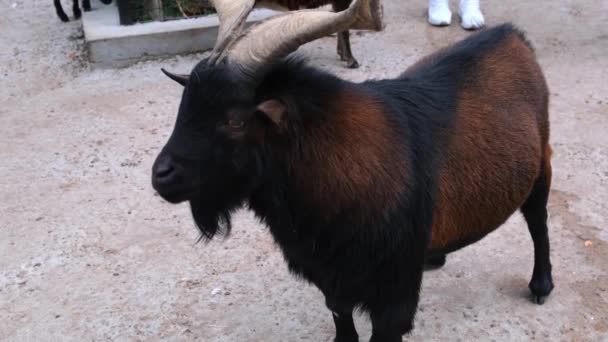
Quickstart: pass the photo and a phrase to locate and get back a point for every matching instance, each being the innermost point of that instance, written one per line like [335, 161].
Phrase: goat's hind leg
[343, 48]
[535, 213]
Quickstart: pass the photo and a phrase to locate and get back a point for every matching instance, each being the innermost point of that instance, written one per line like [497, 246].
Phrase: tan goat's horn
[232, 15]
[278, 36]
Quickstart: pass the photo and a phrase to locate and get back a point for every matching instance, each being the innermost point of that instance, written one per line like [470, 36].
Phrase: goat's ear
[274, 110]
[181, 79]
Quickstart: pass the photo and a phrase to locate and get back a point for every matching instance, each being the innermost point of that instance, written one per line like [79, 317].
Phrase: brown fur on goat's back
[497, 147]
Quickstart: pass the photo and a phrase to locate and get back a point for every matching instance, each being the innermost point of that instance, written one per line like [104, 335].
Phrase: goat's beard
[212, 208]
[211, 219]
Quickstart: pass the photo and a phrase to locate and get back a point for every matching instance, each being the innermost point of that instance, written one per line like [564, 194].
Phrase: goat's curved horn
[280, 35]
[232, 15]
[181, 79]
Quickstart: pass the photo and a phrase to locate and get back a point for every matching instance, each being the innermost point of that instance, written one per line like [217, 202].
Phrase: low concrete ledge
[113, 45]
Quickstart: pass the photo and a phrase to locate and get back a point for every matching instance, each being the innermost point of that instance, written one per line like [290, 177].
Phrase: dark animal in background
[86, 5]
[359, 183]
[343, 45]
[235, 13]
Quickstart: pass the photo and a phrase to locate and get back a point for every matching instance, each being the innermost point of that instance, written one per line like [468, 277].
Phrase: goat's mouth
[177, 195]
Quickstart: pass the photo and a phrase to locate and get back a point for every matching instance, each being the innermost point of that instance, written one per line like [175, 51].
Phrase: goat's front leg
[86, 4]
[393, 318]
[343, 319]
[392, 322]
[345, 327]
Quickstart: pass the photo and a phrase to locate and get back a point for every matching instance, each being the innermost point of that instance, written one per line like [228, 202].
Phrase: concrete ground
[88, 252]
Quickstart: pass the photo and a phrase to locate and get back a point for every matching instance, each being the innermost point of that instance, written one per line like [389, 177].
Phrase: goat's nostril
[164, 170]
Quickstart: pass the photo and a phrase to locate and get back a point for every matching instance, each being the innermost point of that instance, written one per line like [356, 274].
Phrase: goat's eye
[236, 124]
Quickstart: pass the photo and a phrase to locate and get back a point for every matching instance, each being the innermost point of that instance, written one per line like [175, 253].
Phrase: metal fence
[134, 11]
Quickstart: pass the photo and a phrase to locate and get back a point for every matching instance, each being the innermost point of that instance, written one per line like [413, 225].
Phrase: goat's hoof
[77, 14]
[350, 338]
[540, 300]
[352, 64]
[376, 338]
[64, 18]
[541, 287]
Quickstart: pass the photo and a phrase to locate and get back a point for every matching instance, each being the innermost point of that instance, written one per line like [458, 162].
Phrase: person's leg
[439, 13]
[471, 17]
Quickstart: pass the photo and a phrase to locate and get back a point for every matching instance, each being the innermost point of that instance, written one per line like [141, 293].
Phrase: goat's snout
[163, 170]
[169, 179]
[175, 179]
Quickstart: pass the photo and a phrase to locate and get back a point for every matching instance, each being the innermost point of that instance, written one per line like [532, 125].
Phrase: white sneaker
[439, 13]
[471, 17]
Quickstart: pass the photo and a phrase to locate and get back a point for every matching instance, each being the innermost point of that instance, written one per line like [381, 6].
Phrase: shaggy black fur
[373, 264]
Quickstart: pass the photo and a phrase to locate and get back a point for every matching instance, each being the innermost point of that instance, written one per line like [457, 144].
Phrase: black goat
[86, 5]
[359, 183]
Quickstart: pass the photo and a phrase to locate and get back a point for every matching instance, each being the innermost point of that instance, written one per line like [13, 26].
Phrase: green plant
[188, 8]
